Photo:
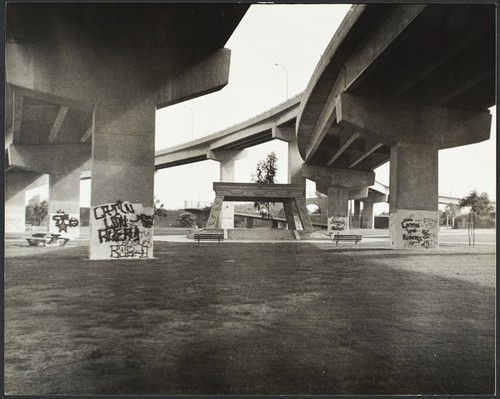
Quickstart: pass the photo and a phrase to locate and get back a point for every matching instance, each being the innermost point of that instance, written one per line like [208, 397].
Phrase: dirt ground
[251, 318]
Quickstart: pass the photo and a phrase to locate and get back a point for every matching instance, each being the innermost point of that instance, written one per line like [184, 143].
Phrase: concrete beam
[284, 133]
[392, 122]
[386, 33]
[226, 155]
[340, 178]
[182, 155]
[359, 193]
[63, 110]
[156, 76]
[345, 144]
[245, 133]
[209, 75]
[366, 154]
[50, 158]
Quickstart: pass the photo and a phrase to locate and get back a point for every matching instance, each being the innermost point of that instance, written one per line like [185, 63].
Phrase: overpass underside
[83, 83]
[399, 82]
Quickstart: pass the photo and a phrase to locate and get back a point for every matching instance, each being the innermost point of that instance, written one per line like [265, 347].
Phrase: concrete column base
[227, 215]
[414, 229]
[338, 223]
[64, 204]
[122, 230]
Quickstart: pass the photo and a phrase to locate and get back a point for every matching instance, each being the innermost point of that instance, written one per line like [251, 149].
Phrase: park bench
[46, 239]
[209, 235]
[346, 237]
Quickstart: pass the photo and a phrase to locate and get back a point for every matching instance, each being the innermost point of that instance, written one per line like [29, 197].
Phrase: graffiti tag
[128, 230]
[63, 221]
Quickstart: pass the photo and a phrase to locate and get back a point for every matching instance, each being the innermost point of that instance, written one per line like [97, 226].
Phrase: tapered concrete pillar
[121, 215]
[340, 185]
[64, 204]
[295, 164]
[367, 216]
[16, 184]
[413, 217]
[227, 161]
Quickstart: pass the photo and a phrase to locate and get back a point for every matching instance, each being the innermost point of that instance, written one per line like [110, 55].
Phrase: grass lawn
[250, 318]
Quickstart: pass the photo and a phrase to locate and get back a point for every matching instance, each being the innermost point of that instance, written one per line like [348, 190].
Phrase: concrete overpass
[396, 82]
[399, 82]
[83, 83]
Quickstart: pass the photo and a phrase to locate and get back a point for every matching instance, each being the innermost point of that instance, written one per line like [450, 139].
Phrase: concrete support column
[338, 209]
[295, 164]
[227, 161]
[356, 223]
[16, 184]
[413, 217]
[121, 214]
[367, 215]
[64, 204]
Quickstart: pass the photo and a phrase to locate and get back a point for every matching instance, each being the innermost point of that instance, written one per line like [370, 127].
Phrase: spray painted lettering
[126, 227]
[418, 232]
[336, 224]
[63, 221]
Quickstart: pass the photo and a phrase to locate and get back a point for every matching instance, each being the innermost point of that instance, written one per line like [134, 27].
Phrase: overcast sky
[293, 36]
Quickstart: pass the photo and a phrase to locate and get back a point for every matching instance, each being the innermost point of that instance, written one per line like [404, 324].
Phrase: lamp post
[286, 76]
[192, 121]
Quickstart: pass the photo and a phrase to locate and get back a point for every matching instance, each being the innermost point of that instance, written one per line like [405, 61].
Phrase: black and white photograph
[241, 198]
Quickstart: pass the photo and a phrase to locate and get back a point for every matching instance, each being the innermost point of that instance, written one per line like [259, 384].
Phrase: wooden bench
[51, 239]
[209, 236]
[346, 237]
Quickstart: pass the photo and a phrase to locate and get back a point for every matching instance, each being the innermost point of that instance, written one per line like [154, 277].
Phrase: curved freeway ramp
[386, 76]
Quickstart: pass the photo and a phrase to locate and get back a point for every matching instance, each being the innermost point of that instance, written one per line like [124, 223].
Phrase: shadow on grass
[245, 319]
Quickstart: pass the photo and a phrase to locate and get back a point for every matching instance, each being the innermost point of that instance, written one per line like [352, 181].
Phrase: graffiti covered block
[121, 230]
[338, 223]
[414, 229]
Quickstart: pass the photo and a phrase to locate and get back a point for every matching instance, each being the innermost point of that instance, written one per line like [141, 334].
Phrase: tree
[451, 210]
[37, 210]
[479, 205]
[186, 219]
[265, 173]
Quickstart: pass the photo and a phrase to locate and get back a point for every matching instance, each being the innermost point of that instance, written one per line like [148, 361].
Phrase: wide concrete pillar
[413, 202]
[338, 209]
[122, 191]
[16, 184]
[64, 204]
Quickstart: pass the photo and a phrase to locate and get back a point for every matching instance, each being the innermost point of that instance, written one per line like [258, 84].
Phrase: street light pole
[192, 121]
[286, 76]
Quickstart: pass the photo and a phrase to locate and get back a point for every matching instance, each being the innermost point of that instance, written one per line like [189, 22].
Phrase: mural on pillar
[122, 230]
[337, 223]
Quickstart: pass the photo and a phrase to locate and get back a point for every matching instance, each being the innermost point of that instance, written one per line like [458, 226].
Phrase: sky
[293, 36]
